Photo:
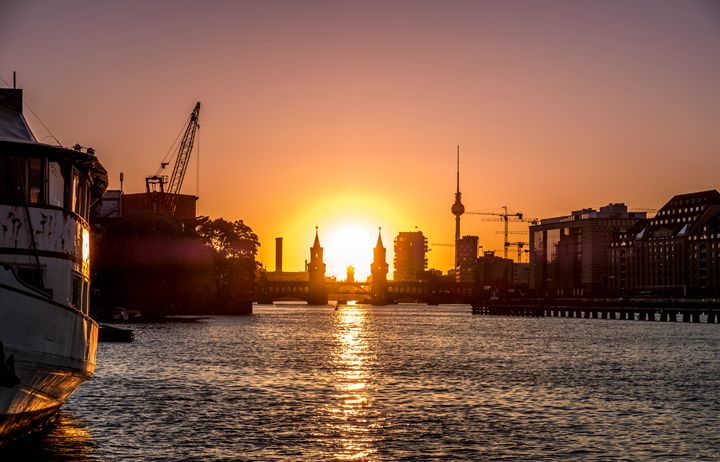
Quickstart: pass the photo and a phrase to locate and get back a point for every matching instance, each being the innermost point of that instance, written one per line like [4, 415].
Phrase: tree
[230, 239]
[235, 246]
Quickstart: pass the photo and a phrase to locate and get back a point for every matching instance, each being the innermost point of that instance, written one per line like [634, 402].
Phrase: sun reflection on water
[64, 438]
[351, 417]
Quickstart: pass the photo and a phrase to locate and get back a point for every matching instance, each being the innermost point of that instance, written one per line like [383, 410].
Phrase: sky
[346, 114]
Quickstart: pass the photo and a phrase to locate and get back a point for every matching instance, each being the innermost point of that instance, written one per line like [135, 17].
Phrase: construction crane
[159, 183]
[520, 246]
[506, 217]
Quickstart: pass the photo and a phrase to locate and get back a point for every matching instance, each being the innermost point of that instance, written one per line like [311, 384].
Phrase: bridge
[314, 288]
[431, 292]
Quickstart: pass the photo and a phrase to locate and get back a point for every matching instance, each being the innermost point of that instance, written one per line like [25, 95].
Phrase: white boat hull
[48, 347]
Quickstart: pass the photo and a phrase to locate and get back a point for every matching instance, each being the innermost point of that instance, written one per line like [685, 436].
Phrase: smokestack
[278, 254]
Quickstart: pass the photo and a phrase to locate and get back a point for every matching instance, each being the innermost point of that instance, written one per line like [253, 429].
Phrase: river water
[408, 382]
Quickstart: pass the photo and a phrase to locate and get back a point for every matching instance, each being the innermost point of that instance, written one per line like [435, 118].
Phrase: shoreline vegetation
[161, 267]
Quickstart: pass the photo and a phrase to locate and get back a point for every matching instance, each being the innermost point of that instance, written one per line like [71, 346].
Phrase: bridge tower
[379, 270]
[316, 272]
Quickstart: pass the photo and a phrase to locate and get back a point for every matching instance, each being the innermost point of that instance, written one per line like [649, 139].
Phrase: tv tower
[457, 208]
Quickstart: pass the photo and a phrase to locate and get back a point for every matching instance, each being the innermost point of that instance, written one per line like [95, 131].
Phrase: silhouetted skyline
[347, 115]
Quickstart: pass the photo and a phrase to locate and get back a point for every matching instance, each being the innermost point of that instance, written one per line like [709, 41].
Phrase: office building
[569, 255]
[467, 253]
[410, 256]
[674, 254]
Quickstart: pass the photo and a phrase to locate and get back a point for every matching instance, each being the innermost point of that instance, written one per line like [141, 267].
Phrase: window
[35, 181]
[77, 295]
[75, 186]
[23, 180]
[56, 185]
[30, 275]
[79, 195]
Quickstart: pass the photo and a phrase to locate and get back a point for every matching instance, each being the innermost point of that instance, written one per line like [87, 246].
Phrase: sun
[349, 244]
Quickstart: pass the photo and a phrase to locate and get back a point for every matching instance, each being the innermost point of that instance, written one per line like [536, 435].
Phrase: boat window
[30, 275]
[56, 184]
[74, 187]
[7, 191]
[79, 195]
[86, 296]
[83, 199]
[35, 181]
[76, 291]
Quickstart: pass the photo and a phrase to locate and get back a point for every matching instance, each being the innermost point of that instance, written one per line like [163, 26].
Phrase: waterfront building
[494, 271]
[117, 204]
[467, 255]
[521, 275]
[676, 253]
[410, 256]
[569, 255]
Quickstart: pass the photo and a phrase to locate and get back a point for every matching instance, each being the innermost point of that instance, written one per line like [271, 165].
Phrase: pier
[662, 310]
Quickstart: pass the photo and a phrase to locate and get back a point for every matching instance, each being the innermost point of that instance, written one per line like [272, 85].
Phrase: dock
[664, 310]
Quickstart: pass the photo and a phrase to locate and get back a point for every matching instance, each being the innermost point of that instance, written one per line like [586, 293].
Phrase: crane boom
[157, 183]
[183, 156]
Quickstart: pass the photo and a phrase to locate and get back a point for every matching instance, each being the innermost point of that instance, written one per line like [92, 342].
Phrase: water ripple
[395, 383]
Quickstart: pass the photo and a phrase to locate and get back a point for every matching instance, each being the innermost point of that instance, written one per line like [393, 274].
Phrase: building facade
[494, 271]
[116, 204]
[467, 255]
[674, 254]
[569, 255]
[410, 256]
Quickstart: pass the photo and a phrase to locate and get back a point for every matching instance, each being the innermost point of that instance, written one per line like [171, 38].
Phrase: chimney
[278, 254]
[11, 99]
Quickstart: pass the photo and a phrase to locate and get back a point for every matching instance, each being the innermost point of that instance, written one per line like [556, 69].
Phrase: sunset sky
[346, 115]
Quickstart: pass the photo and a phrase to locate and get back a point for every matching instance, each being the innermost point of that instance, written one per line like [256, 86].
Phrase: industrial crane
[157, 182]
[505, 217]
[520, 246]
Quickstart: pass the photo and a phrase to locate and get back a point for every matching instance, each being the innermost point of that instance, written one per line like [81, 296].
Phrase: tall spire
[379, 241]
[317, 240]
[457, 208]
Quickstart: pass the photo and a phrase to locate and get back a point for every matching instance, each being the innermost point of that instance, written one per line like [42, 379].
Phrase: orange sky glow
[346, 115]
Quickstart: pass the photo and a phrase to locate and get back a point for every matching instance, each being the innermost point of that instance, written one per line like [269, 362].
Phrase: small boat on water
[47, 338]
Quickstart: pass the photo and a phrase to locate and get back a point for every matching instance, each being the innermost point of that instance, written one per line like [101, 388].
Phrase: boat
[109, 333]
[48, 340]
